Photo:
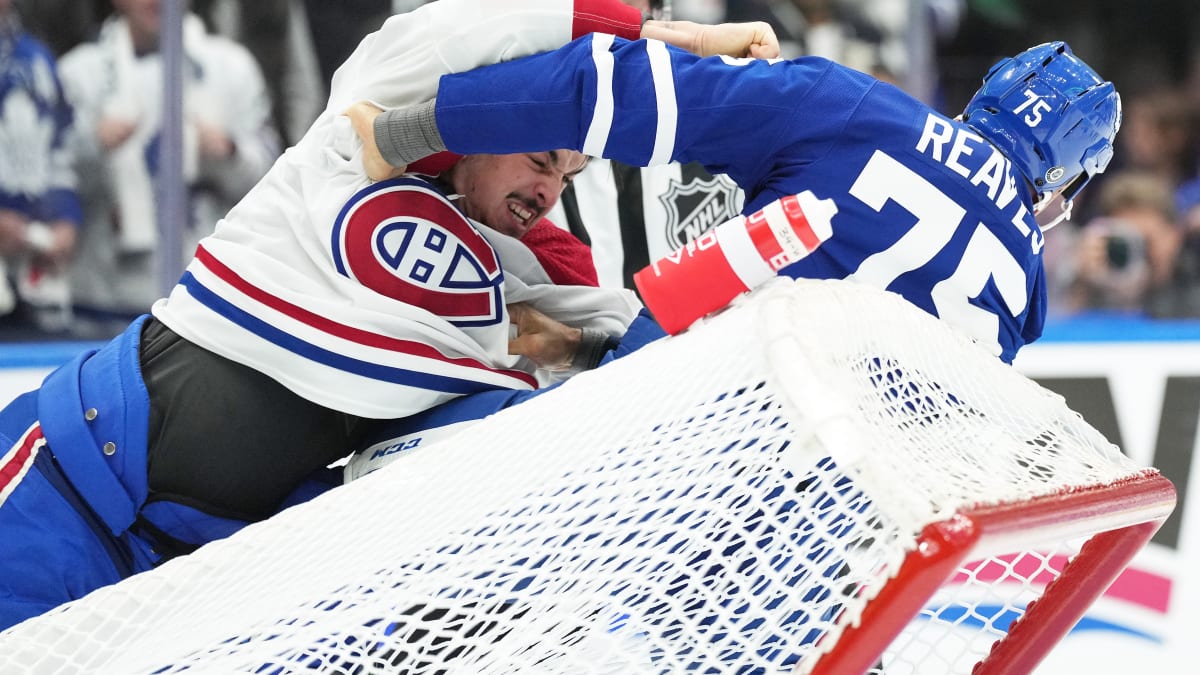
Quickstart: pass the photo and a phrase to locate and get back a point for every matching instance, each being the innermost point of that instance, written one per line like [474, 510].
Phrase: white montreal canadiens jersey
[925, 207]
[408, 313]
[380, 300]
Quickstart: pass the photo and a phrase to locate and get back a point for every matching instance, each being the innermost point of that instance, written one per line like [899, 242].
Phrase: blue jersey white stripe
[668, 112]
[602, 115]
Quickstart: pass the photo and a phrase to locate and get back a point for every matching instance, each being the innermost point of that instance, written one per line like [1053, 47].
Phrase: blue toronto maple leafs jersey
[36, 177]
[926, 207]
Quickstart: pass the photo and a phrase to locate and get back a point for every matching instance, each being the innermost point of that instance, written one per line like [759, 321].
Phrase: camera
[1120, 251]
[1125, 253]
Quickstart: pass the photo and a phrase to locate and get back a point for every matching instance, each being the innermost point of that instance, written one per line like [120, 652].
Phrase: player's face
[510, 193]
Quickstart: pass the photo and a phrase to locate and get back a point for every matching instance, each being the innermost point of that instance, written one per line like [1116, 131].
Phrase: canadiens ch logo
[698, 206]
[403, 239]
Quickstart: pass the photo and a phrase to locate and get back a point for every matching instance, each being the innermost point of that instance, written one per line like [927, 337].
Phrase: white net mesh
[964, 618]
[716, 502]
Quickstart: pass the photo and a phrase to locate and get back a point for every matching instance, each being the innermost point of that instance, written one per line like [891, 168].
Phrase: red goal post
[1121, 517]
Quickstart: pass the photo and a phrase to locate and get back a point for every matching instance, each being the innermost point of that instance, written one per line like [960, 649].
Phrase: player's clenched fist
[754, 39]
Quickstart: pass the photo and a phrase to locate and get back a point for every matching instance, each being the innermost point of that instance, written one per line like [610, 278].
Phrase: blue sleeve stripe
[668, 108]
[602, 116]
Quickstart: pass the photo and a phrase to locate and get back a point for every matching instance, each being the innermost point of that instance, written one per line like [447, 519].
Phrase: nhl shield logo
[696, 206]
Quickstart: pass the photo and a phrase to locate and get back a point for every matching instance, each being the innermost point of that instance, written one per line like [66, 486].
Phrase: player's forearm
[630, 101]
[541, 102]
[636, 102]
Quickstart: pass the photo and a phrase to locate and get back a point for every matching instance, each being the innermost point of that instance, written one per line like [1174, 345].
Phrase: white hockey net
[727, 500]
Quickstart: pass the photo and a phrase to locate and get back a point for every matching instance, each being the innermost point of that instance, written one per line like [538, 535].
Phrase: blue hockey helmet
[1051, 115]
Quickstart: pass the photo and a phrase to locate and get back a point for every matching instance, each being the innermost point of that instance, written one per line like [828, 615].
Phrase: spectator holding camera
[1124, 259]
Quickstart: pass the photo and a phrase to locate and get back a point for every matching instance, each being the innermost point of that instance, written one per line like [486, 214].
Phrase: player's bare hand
[546, 342]
[362, 117]
[754, 39]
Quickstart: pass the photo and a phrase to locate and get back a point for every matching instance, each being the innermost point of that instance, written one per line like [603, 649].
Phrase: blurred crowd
[80, 114]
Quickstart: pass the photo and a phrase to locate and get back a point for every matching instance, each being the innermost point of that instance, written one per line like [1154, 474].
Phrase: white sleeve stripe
[668, 108]
[602, 116]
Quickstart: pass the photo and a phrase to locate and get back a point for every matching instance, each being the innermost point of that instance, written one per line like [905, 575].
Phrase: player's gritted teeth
[523, 215]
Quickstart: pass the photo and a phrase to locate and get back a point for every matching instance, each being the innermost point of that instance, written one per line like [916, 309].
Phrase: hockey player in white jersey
[321, 304]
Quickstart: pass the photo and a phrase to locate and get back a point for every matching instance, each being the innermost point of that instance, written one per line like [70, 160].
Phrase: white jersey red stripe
[331, 360]
[325, 324]
[20, 457]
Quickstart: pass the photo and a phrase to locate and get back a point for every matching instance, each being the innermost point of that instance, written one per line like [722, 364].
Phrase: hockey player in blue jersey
[946, 212]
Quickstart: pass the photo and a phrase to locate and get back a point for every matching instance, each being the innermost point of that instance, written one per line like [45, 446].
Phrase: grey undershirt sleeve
[404, 135]
[593, 345]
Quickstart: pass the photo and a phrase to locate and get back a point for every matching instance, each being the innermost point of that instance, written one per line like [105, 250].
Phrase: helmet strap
[1046, 200]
